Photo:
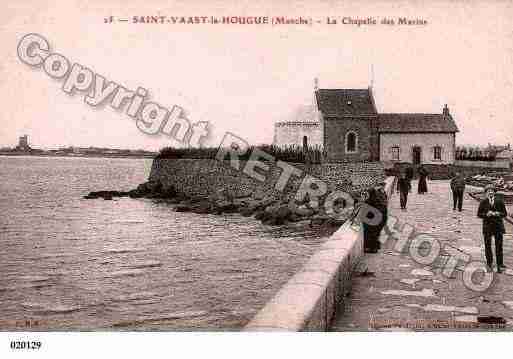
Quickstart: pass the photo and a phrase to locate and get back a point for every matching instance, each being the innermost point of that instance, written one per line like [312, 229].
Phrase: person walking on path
[492, 211]
[423, 173]
[403, 187]
[409, 173]
[458, 188]
[372, 231]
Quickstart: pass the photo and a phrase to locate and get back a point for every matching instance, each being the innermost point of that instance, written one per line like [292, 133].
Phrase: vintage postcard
[267, 166]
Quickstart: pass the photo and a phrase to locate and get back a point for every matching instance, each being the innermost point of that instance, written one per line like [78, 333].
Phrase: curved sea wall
[201, 177]
[310, 299]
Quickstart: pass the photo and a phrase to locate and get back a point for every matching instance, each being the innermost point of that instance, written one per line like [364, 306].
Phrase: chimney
[316, 84]
[445, 111]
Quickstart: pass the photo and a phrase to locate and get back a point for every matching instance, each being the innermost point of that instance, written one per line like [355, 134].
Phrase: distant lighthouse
[23, 144]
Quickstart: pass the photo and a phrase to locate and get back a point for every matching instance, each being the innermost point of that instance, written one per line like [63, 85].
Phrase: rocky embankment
[269, 209]
[503, 182]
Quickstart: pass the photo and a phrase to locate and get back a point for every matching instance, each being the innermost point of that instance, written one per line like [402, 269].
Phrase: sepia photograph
[199, 172]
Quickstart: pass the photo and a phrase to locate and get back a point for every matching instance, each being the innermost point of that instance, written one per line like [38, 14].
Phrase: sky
[243, 78]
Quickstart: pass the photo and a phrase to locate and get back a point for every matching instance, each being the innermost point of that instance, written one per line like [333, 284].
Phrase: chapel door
[417, 155]
[305, 143]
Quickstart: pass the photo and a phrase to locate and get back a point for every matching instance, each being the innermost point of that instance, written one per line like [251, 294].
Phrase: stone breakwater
[202, 176]
[208, 186]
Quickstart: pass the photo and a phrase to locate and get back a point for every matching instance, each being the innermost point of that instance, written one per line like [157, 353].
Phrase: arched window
[351, 142]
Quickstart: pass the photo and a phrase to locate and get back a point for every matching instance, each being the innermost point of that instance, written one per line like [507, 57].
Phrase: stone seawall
[200, 177]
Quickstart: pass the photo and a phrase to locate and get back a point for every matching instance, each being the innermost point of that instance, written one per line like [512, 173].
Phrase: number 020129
[25, 344]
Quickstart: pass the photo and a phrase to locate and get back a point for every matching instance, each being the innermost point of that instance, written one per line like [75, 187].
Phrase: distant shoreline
[75, 155]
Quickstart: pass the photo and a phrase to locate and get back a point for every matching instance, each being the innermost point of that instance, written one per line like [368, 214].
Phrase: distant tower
[23, 143]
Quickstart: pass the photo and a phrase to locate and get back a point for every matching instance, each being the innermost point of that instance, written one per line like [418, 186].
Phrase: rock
[247, 211]
[143, 188]
[151, 189]
[153, 195]
[135, 194]
[304, 211]
[197, 199]
[241, 201]
[255, 205]
[108, 195]
[283, 212]
[274, 221]
[224, 194]
[225, 207]
[168, 192]
[334, 222]
[294, 218]
[243, 194]
[258, 195]
[271, 209]
[319, 219]
[260, 215]
[274, 215]
[267, 201]
[183, 208]
[203, 207]
[154, 186]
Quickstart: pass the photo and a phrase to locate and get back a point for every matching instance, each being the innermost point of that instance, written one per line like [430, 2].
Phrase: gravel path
[391, 291]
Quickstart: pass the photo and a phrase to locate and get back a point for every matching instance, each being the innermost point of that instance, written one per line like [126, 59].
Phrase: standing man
[403, 187]
[458, 188]
[492, 211]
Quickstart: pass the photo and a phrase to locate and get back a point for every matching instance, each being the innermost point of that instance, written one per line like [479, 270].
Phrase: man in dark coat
[458, 188]
[409, 173]
[492, 210]
[403, 187]
[382, 206]
[423, 173]
[376, 199]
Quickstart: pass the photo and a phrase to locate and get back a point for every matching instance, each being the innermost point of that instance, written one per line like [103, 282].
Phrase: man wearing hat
[492, 211]
[458, 188]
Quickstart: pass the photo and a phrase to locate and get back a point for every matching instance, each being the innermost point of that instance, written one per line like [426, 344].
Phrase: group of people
[376, 198]
[491, 210]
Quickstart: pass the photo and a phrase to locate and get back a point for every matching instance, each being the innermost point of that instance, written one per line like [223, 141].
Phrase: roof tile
[416, 122]
[345, 102]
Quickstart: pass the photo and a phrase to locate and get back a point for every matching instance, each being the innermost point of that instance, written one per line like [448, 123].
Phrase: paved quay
[391, 291]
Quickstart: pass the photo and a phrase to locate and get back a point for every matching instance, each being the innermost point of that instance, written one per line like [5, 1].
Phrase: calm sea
[129, 264]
